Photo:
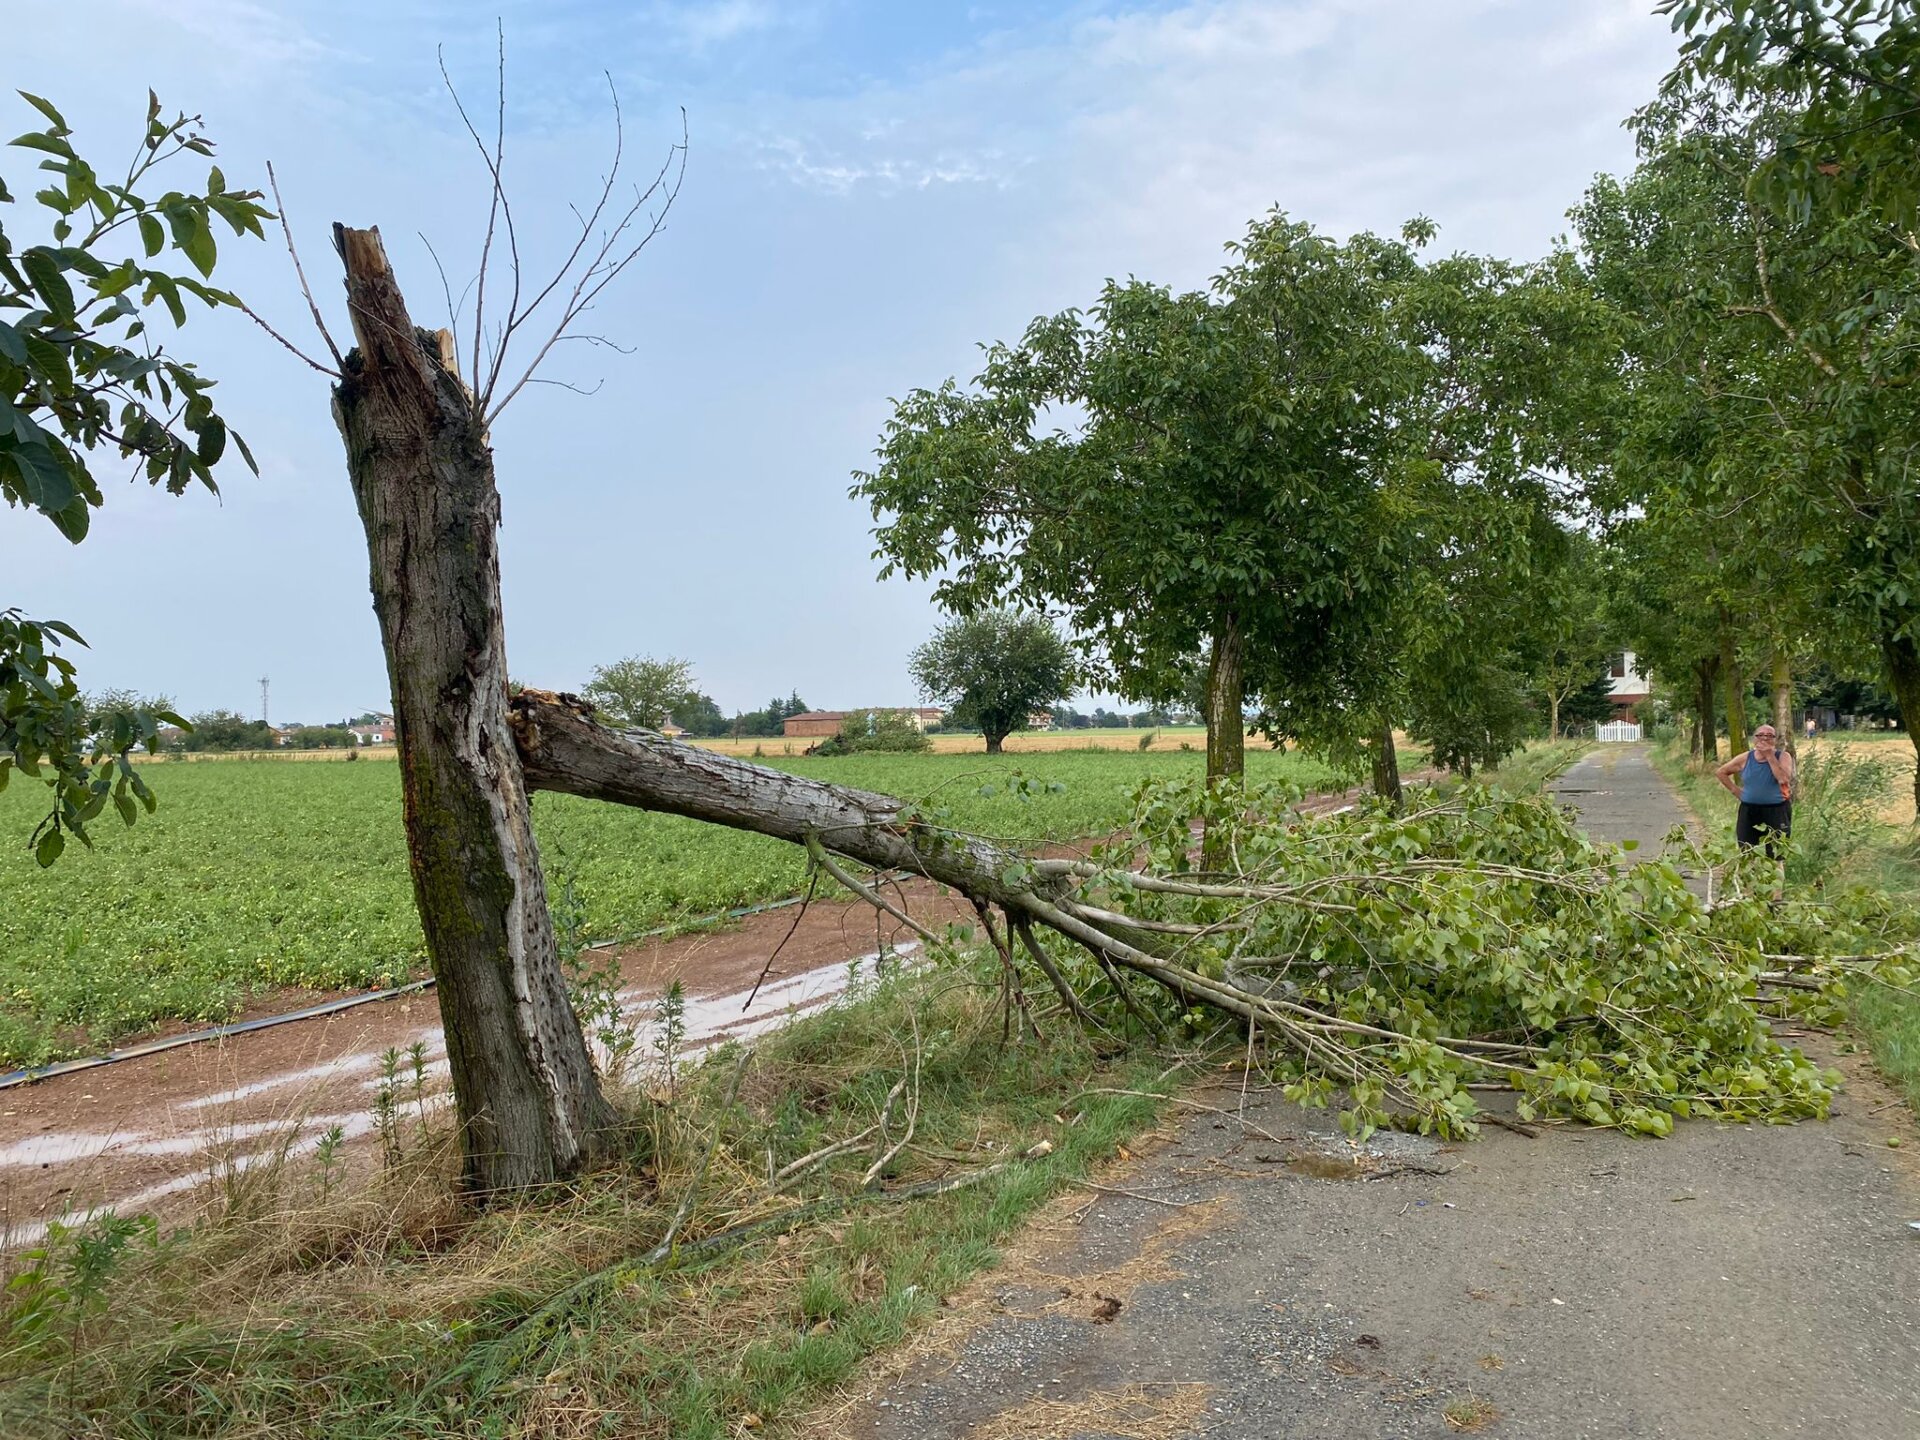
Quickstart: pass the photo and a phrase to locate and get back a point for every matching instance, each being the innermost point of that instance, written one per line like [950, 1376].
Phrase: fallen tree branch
[1509, 957]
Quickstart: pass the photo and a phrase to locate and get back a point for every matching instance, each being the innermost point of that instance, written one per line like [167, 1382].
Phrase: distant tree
[699, 714]
[993, 670]
[1218, 489]
[227, 730]
[1592, 703]
[109, 710]
[322, 737]
[81, 372]
[1479, 720]
[885, 731]
[639, 690]
[767, 721]
[1571, 613]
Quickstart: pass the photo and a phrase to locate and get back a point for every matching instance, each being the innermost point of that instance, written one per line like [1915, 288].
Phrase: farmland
[259, 874]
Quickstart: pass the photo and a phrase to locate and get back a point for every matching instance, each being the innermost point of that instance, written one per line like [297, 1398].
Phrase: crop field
[260, 874]
[1163, 739]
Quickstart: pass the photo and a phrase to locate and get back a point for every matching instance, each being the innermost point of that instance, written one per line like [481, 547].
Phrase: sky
[872, 191]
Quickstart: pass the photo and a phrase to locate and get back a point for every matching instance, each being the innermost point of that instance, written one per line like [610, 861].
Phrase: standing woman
[1765, 788]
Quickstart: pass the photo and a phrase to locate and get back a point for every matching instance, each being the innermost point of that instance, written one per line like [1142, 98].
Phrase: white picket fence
[1616, 732]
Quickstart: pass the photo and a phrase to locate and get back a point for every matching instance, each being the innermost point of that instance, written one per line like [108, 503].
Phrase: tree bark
[1736, 696]
[1553, 716]
[994, 743]
[1704, 672]
[1903, 677]
[1386, 769]
[1782, 684]
[1226, 715]
[562, 749]
[529, 1103]
[1226, 722]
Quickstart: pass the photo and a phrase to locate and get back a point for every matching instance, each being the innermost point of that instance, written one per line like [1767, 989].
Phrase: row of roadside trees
[1353, 486]
[1758, 271]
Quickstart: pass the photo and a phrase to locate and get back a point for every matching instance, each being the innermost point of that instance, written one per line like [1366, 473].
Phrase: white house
[379, 732]
[1630, 684]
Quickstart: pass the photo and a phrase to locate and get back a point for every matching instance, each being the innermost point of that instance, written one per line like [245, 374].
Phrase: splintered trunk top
[529, 1103]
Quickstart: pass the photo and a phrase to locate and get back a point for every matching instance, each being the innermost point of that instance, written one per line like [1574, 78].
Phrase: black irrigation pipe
[34, 1073]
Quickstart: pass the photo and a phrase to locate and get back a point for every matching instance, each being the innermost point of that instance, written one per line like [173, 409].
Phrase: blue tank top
[1757, 783]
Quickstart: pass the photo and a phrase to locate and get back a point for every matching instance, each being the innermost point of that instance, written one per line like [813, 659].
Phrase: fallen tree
[1401, 963]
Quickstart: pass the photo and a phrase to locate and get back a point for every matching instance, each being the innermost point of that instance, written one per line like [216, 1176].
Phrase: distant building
[828, 722]
[377, 731]
[1040, 720]
[1630, 684]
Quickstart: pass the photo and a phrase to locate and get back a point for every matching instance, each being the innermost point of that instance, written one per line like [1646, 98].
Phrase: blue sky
[872, 190]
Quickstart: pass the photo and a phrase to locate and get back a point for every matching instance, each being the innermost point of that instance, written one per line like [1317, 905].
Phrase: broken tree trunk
[563, 748]
[529, 1103]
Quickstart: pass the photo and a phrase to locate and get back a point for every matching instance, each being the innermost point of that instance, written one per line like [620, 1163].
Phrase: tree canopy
[1183, 475]
[640, 690]
[994, 670]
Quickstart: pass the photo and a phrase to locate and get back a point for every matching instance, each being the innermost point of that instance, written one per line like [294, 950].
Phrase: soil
[145, 1132]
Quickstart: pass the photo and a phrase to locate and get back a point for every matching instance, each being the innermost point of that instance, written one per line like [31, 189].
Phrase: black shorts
[1763, 825]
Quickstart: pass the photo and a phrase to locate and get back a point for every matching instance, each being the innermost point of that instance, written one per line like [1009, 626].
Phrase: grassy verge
[384, 1312]
[259, 874]
[1534, 764]
[1845, 843]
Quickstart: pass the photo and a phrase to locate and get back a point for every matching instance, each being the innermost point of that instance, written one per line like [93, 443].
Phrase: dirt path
[1731, 1282]
[145, 1134]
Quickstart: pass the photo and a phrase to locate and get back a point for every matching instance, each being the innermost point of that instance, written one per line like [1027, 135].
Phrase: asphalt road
[1731, 1282]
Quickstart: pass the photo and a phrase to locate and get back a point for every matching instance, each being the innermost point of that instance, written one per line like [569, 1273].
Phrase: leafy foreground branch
[1401, 964]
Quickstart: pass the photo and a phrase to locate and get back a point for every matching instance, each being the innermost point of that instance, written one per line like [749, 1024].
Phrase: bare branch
[453, 315]
[569, 385]
[498, 208]
[279, 205]
[609, 262]
[294, 349]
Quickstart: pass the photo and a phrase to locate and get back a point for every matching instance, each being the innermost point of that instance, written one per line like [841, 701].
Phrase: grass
[388, 1313]
[1535, 763]
[1841, 821]
[259, 874]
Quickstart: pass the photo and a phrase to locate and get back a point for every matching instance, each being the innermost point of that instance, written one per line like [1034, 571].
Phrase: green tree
[993, 670]
[110, 709]
[640, 690]
[1765, 247]
[881, 731]
[1181, 474]
[227, 730]
[81, 374]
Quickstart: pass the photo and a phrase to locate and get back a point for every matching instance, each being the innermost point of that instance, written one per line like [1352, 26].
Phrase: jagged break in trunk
[529, 1103]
